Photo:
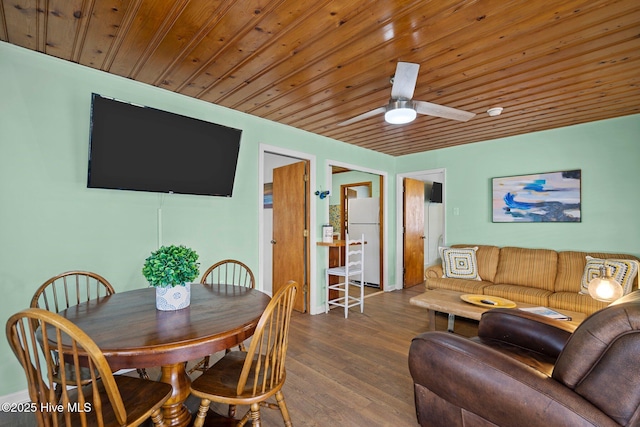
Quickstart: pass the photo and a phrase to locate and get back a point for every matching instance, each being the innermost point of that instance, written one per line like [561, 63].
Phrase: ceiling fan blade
[404, 81]
[424, 107]
[363, 116]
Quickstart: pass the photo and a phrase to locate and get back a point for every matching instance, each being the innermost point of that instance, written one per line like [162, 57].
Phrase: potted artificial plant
[171, 269]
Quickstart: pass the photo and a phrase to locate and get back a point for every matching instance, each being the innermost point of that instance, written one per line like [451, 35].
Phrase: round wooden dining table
[132, 333]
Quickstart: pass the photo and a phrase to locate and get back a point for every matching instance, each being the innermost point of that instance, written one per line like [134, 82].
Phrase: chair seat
[222, 380]
[37, 336]
[136, 394]
[252, 377]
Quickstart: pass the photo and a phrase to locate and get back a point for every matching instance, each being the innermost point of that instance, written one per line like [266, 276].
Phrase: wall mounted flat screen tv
[140, 148]
[436, 192]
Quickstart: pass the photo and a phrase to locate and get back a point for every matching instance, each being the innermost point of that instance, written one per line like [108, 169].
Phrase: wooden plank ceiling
[314, 63]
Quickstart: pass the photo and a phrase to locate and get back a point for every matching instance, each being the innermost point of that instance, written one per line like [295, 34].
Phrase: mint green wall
[50, 222]
[607, 152]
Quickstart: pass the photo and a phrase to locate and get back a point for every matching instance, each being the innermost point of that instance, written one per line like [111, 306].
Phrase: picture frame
[540, 197]
[268, 195]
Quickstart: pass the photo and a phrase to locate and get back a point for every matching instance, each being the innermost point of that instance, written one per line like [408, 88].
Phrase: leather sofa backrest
[534, 268]
[601, 360]
[571, 266]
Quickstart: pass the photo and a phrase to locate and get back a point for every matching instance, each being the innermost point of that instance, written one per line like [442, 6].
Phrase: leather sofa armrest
[526, 330]
[485, 382]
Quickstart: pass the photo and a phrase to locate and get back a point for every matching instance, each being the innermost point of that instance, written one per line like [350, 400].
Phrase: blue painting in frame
[542, 197]
[268, 195]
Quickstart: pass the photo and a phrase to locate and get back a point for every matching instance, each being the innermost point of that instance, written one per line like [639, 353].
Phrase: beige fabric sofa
[535, 276]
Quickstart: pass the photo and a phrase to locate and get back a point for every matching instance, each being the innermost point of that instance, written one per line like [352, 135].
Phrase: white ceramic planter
[173, 297]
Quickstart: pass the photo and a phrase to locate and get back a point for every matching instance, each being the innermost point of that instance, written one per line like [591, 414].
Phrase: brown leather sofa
[527, 370]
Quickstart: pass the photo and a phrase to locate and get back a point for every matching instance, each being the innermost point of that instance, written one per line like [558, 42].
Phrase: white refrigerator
[363, 217]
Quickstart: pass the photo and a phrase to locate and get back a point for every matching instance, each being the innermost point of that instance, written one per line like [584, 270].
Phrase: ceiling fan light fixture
[400, 112]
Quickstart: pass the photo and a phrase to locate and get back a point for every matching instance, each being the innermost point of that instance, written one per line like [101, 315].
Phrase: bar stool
[352, 273]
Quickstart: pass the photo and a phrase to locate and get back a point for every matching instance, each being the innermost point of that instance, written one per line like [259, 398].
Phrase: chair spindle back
[229, 272]
[264, 366]
[38, 338]
[70, 288]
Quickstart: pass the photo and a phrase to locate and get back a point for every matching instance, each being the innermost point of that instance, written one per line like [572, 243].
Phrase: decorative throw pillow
[623, 270]
[459, 263]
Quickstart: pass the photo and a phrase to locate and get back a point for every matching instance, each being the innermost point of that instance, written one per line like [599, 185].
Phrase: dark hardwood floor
[346, 371]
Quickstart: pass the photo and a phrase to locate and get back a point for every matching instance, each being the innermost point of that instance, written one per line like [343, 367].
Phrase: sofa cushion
[574, 301]
[535, 296]
[459, 263]
[570, 269]
[487, 257]
[458, 285]
[624, 271]
[571, 265]
[534, 268]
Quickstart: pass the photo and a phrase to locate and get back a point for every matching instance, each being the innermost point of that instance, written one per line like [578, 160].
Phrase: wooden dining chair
[225, 272]
[36, 336]
[71, 288]
[229, 272]
[253, 376]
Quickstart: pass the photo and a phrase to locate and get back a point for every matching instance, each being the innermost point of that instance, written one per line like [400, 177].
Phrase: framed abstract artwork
[268, 195]
[542, 197]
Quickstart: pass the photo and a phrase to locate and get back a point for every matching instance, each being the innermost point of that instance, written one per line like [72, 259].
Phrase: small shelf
[334, 244]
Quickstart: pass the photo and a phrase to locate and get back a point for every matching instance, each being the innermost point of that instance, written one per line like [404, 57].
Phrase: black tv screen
[436, 192]
[140, 148]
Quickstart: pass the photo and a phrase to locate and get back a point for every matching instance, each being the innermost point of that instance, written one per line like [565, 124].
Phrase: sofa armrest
[433, 271]
[526, 330]
[453, 374]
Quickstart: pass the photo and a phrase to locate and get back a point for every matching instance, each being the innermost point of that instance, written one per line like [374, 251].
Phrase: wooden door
[413, 222]
[290, 224]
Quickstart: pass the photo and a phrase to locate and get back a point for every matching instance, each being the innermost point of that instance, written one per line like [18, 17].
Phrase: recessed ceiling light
[495, 111]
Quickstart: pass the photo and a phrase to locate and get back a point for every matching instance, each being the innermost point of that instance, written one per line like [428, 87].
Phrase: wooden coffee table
[446, 301]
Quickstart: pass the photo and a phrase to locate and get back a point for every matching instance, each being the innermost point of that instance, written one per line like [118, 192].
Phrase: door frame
[384, 209]
[263, 149]
[419, 175]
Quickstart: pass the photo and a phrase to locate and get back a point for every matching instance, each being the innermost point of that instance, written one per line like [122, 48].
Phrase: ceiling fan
[401, 108]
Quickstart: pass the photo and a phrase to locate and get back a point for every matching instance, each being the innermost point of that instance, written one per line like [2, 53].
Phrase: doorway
[350, 191]
[349, 182]
[434, 218]
[273, 158]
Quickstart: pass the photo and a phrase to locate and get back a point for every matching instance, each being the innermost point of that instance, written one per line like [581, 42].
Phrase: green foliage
[171, 266]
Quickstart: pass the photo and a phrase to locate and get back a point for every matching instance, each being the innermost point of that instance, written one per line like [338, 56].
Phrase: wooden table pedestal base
[175, 411]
